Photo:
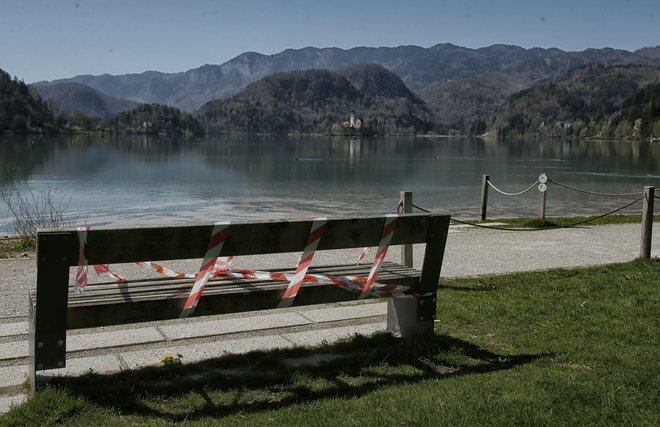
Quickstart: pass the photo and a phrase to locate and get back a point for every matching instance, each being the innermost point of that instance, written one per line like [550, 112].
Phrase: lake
[138, 179]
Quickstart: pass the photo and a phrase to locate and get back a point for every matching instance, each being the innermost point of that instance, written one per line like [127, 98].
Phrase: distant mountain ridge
[70, 98]
[421, 69]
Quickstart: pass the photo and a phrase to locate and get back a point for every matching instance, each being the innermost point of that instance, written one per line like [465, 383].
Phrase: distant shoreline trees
[593, 102]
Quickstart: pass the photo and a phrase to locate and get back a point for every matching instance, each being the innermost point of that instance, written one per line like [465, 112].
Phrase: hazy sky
[50, 39]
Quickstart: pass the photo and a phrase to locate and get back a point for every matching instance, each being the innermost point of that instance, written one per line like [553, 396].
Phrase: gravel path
[470, 251]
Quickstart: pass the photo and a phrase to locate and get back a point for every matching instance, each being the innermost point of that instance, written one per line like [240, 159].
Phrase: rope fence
[543, 182]
[552, 227]
[647, 197]
[595, 193]
[512, 194]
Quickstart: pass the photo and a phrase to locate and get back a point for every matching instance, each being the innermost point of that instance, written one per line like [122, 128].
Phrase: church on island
[350, 127]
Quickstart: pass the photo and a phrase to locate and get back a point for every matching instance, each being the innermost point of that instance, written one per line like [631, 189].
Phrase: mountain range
[450, 78]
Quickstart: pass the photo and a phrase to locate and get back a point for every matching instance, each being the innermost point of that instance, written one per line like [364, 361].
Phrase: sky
[52, 39]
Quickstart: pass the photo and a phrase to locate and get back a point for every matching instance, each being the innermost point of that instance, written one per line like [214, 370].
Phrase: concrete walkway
[470, 251]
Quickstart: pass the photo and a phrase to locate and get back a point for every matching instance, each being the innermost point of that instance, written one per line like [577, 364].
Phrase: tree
[656, 129]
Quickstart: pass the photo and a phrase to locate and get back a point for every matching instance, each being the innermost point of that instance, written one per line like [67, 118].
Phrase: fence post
[484, 196]
[407, 250]
[542, 198]
[647, 222]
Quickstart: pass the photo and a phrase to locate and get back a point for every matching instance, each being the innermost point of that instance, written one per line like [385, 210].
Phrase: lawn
[567, 221]
[561, 347]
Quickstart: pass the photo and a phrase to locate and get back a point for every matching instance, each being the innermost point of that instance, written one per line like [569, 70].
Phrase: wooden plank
[406, 203]
[432, 264]
[49, 317]
[219, 300]
[123, 245]
[104, 304]
[164, 289]
[388, 271]
[434, 253]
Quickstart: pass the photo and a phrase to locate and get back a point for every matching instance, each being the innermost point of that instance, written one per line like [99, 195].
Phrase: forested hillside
[22, 111]
[70, 98]
[586, 102]
[313, 101]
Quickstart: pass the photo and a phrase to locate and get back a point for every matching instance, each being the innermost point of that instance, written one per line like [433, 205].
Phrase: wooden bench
[55, 307]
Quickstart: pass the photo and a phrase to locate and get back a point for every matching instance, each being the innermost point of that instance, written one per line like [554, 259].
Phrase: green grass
[21, 244]
[551, 222]
[561, 347]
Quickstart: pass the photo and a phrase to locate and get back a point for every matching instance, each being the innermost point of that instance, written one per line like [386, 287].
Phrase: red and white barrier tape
[315, 233]
[165, 271]
[221, 264]
[104, 269]
[214, 266]
[363, 253]
[385, 239]
[218, 237]
[81, 274]
[366, 286]
[349, 283]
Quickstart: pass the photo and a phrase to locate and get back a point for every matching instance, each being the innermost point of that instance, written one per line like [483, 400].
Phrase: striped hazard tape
[218, 237]
[349, 283]
[315, 233]
[365, 286]
[383, 245]
[82, 275]
[103, 269]
[215, 266]
[363, 253]
[165, 271]
[221, 264]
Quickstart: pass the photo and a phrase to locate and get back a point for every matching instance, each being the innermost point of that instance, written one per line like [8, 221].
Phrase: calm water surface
[130, 180]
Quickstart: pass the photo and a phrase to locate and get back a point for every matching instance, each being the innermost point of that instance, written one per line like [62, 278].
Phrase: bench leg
[31, 342]
[403, 318]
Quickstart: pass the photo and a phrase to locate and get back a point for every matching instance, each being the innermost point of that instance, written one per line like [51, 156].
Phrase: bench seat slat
[104, 304]
[388, 271]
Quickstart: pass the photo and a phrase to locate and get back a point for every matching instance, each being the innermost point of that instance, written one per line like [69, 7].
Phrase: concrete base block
[319, 336]
[354, 311]
[402, 320]
[13, 329]
[6, 402]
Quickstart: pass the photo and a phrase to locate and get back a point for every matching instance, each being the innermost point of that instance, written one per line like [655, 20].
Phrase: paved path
[469, 252]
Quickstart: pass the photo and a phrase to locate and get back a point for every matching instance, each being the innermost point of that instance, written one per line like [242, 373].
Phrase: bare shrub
[34, 210]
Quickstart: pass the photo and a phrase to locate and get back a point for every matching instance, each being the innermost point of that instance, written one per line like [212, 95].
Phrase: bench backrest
[123, 245]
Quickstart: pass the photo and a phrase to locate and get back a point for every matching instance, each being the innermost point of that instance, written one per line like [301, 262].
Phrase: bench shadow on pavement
[262, 381]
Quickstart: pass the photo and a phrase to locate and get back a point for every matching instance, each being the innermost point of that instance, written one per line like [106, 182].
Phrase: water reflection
[140, 179]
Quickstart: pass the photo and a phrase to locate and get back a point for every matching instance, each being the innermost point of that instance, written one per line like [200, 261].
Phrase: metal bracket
[426, 308]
